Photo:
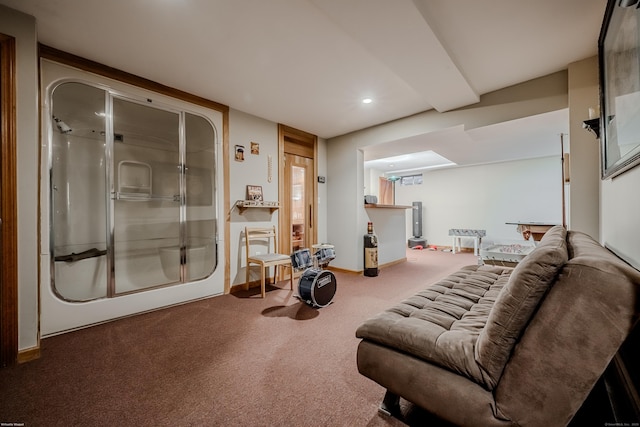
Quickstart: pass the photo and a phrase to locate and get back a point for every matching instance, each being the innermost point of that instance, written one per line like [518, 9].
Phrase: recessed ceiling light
[367, 101]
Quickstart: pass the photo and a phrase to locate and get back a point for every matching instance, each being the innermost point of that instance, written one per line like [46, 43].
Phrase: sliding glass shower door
[132, 194]
[78, 188]
[147, 188]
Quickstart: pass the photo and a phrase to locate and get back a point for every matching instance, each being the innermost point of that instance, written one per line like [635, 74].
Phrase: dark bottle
[370, 252]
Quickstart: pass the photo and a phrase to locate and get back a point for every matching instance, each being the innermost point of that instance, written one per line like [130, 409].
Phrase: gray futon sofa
[494, 346]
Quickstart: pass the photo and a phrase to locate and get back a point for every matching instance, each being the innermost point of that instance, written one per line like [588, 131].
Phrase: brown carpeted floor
[233, 360]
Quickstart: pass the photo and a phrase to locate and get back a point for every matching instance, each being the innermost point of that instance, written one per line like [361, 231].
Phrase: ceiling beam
[429, 70]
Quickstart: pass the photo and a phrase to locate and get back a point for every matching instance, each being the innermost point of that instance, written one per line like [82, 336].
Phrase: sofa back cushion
[516, 303]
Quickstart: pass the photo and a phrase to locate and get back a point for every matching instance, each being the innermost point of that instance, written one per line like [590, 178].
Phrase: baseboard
[380, 267]
[236, 288]
[29, 354]
[389, 264]
[343, 270]
[252, 284]
[465, 249]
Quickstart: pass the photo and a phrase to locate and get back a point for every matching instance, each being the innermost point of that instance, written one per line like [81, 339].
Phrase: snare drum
[317, 287]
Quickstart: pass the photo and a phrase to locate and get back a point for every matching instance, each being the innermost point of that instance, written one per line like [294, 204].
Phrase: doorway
[298, 172]
[299, 192]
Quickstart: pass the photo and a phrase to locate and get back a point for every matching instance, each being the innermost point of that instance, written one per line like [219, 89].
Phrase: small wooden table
[535, 229]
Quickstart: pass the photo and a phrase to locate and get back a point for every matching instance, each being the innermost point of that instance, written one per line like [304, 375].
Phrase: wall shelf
[134, 178]
[243, 205]
[377, 206]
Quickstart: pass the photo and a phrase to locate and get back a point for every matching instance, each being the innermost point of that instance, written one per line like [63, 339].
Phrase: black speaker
[417, 219]
[417, 239]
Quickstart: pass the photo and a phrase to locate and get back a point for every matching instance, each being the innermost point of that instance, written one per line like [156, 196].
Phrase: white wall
[584, 148]
[388, 225]
[372, 181]
[23, 28]
[346, 215]
[486, 197]
[620, 204]
[243, 129]
[615, 207]
[322, 191]
[346, 212]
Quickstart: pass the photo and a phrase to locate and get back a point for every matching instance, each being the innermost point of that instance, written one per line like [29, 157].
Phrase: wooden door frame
[308, 147]
[8, 204]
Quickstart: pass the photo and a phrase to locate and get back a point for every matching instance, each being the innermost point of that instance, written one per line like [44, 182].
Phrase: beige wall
[584, 194]
[345, 207]
[606, 209]
[486, 197]
[620, 230]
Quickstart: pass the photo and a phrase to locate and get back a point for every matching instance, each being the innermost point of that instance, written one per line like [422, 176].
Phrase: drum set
[316, 286]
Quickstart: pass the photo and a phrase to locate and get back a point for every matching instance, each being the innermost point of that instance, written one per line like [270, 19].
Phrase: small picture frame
[239, 153]
[255, 148]
[254, 192]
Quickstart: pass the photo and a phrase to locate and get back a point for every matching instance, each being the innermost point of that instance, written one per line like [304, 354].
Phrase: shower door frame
[111, 195]
[57, 316]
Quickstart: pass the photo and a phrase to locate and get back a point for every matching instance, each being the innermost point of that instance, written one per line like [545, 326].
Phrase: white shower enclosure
[131, 182]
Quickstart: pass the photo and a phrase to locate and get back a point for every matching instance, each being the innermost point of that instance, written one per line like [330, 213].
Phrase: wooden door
[297, 188]
[299, 206]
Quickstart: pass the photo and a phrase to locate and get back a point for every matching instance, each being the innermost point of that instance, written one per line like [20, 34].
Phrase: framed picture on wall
[254, 192]
[239, 153]
[619, 59]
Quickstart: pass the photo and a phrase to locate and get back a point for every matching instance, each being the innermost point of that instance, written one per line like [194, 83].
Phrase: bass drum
[317, 287]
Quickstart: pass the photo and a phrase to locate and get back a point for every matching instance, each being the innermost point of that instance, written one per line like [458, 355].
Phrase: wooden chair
[268, 258]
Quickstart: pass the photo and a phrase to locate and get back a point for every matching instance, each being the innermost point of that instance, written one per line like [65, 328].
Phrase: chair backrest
[264, 235]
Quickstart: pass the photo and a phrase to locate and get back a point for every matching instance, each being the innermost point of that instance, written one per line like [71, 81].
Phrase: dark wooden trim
[8, 204]
[29, 354]
[62, 57]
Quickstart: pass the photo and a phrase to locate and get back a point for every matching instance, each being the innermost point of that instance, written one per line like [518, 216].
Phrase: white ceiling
[531, 137]
[309, 63]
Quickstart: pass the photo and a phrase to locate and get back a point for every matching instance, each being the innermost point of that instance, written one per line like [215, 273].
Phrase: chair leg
[262, 285]
[291, 275]
[246, 283]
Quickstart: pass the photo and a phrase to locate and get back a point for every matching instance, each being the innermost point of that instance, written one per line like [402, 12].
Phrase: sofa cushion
[518, 300]
[441, 323]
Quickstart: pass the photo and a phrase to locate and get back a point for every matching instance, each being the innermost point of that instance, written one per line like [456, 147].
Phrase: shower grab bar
[89, 253]
[144, 197]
